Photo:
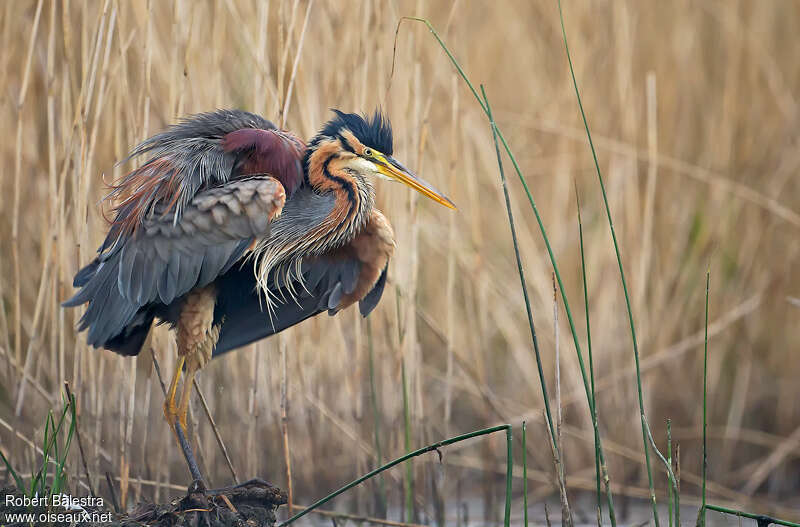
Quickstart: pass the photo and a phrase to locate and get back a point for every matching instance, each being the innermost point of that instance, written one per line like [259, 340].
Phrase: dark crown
[375, 132]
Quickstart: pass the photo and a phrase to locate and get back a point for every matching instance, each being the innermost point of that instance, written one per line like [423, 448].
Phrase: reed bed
[694, 123]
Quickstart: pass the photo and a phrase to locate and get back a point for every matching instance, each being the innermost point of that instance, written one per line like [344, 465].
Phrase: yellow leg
[170, 408]
[188, 383]
[176, 415]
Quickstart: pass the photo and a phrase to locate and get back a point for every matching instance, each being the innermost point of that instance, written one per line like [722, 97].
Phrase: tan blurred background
[694, 113]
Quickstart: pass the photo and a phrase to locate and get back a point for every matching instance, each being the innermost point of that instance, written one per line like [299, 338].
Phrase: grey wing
[164, 259]
[353, 273]
[326, 287]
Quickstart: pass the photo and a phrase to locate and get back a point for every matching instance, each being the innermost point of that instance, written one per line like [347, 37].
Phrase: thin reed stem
[760, 518]
[546, 240]
[509, 475]
[521, 272]
[621, 270]
[377, 418]
[359, 519]
[80, 442]
[214, 427]
[668, 466]
[670, 493]
[302, 39]
[285, 421]
[591, 362]
[524, 474]
[408, 486]
[434, 447]
[701, 520]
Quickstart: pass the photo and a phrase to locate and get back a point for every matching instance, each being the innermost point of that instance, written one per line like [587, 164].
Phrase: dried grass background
[693, 106]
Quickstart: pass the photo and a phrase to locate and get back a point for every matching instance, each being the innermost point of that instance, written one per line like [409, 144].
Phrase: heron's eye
[367, 152]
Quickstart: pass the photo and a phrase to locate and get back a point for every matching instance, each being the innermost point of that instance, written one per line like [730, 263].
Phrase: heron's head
[365, 147]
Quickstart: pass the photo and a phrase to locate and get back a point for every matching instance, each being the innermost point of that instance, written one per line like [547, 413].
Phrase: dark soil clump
[252, 504]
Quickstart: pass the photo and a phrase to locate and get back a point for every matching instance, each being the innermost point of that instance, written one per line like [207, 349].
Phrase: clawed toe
[197, 486]
[250, 483]
[170, 412]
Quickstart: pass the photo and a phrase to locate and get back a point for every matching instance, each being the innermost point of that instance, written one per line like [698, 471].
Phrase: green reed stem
[377, 417]
[521, 272]
[509, 475]
[524, 474]
[760, 518]
[702, 515]
[621, 271]
[59, 478]
[546, 240]
[17, 479]
[408, 488]
[51, 448]
[591, 362]
[434, 447]
[668, 466]
[670, 494]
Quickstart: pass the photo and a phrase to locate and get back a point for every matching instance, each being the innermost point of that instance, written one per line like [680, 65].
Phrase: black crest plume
[374, 132]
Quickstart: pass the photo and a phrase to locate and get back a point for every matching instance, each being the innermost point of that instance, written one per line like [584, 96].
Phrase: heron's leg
[178, 423]
[194, 361]
[188, 384]
[188, 454]
[170, 408]
[196, 338]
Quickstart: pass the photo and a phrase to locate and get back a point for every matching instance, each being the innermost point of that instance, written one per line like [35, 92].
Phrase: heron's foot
[253, 493]
[170, 412]
[254, 501]
[255, 483]
[170, 407]
[175, 415]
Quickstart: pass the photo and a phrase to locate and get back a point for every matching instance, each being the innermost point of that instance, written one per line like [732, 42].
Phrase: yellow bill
[391, 168]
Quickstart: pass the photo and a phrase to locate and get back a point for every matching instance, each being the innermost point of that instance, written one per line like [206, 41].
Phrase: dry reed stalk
[52, 184]
[558, 448]
[451, 261]
[287, 458]
[768, 464]
[130, 409]
[677, 166]
[355, 518]
[585, 481]
[6, 350]
[261, 58]
[284, 34]
[632, 455]
[34, 332]
[561, 483]
[214, 427]
[252, 405]
[716, 167]
[147, 69]
[661, 356]
[650, 193]
[301, 40]
[736, 411]
[20, 104]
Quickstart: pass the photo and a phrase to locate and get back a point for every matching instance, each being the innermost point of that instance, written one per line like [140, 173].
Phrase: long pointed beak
[391, 168]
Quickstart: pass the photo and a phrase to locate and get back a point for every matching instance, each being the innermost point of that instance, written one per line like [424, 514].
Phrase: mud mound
[252, 504]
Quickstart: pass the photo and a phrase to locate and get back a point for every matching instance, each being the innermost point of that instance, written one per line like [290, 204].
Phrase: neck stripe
[347, 186]
[345, 143]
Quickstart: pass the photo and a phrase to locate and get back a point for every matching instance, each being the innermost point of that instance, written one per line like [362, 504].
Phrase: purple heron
[234, 230]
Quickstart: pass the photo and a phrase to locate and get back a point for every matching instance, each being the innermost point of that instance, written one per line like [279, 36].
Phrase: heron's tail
[113, 322]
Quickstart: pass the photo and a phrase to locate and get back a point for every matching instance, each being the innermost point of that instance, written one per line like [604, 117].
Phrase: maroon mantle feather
[274, 152]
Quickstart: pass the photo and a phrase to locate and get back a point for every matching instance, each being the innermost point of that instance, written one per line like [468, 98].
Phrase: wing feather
[164, 260]
[355, 272]
[184, 217]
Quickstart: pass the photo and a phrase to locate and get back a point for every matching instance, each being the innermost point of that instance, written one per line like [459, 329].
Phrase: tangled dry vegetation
[693, 106]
